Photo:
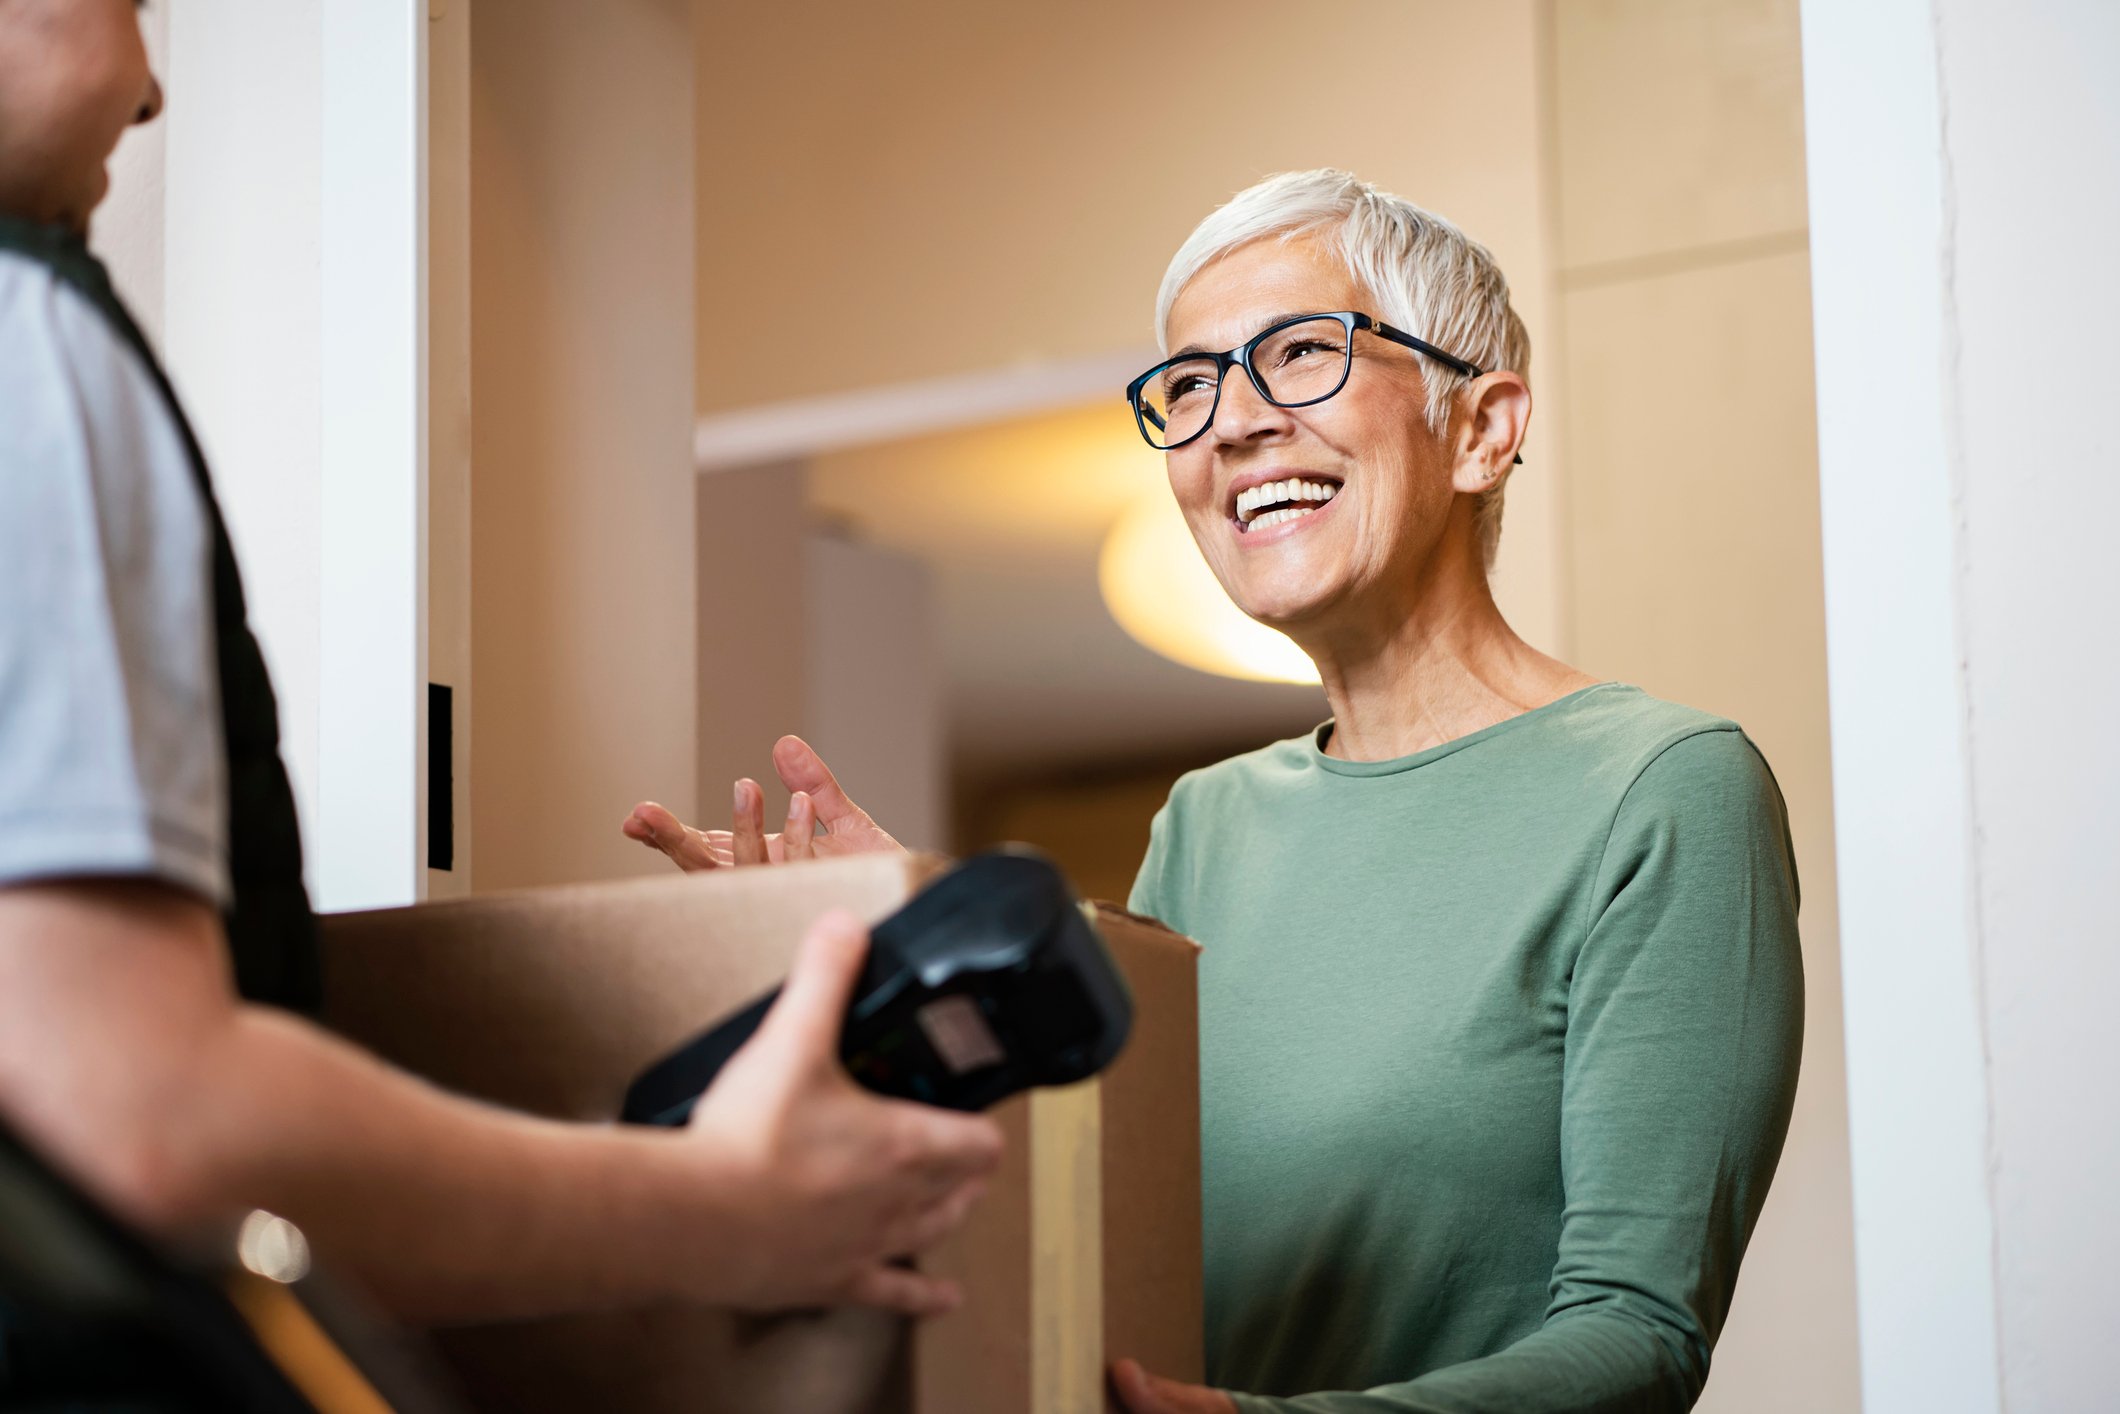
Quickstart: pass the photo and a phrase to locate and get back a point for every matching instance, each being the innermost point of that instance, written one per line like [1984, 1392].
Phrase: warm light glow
[273, 1247]
[1162, 592]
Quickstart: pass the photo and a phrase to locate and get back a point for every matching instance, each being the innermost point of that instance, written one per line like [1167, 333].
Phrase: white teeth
[1277, 492]
[1273, 518]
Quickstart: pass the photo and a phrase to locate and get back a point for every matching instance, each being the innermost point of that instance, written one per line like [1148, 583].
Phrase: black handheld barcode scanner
[989, 981]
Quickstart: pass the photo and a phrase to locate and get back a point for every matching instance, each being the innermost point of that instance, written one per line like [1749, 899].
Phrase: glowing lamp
[1162, 593]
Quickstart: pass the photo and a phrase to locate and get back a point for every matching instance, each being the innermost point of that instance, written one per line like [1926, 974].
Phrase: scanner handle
[667, 1094]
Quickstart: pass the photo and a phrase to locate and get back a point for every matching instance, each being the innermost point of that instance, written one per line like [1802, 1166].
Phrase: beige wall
[582, 542]
[449, 408]
[814, 633]
[873, 684]
[938, 187]
[942, 186]
[1095, 826]
[1693, 526]
[753, 638]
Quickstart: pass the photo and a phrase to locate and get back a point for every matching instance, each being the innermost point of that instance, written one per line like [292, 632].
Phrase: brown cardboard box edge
[550, 1000]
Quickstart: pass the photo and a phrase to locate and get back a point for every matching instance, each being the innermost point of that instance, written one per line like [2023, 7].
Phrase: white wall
[2033, 138]
[369, 831]
[128, 227]
[243, 318]
[292, 322]
[1965, 293]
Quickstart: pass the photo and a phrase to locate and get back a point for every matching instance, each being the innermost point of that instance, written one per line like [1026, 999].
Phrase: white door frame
[296, 258]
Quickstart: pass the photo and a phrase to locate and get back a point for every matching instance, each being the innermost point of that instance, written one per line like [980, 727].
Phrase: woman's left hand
[1143, 1393]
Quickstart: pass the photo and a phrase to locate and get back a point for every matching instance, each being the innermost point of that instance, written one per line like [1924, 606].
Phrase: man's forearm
[445, 1207]
[126, 1057]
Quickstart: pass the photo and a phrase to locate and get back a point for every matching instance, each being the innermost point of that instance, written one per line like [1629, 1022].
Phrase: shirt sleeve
[1156, 893]
[111, 757]
[1685, 1026]
[1146, 898]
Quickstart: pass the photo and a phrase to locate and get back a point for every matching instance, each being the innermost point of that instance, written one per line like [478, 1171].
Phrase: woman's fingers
[798, 840]
[802, 769]
[657, 828]
[1142, 1393]
[748, 842]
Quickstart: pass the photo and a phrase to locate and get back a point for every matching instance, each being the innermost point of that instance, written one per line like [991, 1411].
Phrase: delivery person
[156, 945]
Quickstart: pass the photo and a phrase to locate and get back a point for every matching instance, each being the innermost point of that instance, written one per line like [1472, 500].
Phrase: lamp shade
[1162, 593]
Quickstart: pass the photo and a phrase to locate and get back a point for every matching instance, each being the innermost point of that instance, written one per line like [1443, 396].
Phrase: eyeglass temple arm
[1448, 360]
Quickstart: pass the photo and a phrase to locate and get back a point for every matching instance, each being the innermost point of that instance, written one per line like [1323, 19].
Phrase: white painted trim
[240, 317]
[1885, 328]
[371, 816]
[805, 427]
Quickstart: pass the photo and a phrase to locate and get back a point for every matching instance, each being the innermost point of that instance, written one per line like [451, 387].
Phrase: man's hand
[815, 797]
[829, 1183]
[1142, 1393]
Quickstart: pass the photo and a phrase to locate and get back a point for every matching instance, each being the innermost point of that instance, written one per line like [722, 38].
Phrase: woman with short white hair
[1501, 998]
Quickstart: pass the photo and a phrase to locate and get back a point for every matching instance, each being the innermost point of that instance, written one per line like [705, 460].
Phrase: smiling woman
[1495, 1077]
[1501, 999]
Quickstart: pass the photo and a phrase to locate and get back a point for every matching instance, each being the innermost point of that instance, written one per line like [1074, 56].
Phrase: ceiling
[1010, 518]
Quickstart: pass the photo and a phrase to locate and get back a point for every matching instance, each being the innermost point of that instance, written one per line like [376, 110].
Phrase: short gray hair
[1429, 278]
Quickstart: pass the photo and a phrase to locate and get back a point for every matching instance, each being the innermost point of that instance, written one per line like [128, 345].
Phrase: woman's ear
[1497, 410]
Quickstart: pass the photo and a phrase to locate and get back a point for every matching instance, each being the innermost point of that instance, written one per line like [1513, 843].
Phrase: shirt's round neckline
[1398, 764]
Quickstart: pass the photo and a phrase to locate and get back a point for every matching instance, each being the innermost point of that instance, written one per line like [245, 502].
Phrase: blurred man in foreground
[156, 942]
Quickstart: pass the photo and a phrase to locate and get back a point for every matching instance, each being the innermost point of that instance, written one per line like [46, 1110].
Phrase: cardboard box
[552, 1000]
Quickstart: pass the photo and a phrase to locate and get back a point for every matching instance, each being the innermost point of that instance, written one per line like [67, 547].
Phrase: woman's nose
[150, 102]
[1243, 413]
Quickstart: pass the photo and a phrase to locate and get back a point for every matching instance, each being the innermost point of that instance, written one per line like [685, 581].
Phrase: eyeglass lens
[1300, 363]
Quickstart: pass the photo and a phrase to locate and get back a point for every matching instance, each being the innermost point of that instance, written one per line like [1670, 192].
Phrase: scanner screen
[960, 1035]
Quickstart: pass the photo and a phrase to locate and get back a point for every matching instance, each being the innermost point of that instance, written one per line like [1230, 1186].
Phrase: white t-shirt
[111, 756]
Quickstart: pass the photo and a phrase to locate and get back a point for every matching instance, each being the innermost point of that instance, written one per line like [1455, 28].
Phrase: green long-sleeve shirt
[1497, 1046]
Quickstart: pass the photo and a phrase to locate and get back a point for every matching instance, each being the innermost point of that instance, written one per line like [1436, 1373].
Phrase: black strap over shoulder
[271, 928]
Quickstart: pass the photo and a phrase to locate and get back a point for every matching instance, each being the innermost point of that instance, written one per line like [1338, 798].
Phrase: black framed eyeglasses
[1293, 364]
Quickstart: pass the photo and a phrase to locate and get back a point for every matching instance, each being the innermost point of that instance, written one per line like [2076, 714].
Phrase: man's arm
[126, 1056]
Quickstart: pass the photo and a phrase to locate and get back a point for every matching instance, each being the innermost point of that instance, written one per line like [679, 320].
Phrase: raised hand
[815, 798]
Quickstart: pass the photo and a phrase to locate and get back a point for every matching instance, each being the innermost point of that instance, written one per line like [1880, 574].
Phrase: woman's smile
[1273, 496]
[1273, 513]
